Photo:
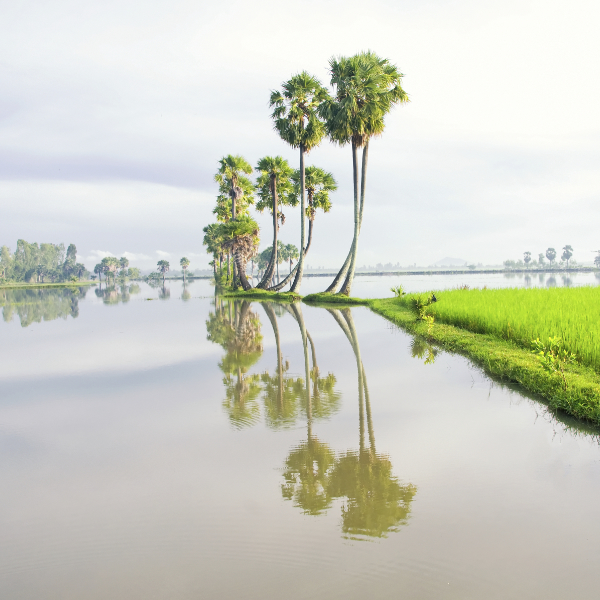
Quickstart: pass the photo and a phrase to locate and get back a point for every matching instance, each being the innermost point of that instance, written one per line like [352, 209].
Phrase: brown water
[172, 449]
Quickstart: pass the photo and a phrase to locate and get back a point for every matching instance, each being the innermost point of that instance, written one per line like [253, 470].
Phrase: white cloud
[162, 254]
[112, 122]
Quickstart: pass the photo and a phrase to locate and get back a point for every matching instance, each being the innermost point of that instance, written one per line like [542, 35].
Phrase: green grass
[507, 360]
[325, 298]
[255, 294]
[522, 315]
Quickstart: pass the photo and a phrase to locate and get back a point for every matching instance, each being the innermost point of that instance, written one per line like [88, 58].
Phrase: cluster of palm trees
[111, 266]
[365, 88]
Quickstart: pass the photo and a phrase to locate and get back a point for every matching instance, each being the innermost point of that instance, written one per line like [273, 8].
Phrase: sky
[114, 115]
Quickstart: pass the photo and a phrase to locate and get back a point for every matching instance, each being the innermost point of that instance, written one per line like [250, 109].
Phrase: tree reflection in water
[373, 501]
[117, 294]
[35, 305]
[237, 330]
[421, 348]
[308, 465]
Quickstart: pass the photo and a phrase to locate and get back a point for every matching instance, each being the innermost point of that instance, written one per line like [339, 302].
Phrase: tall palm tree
[298, 123]
[366, 88]
[273, 186]
[232, 181]
[163, 267]
[184, 263]
[319, 184]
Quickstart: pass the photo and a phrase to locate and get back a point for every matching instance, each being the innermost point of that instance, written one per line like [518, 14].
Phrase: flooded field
[379, 286]
[165, 443]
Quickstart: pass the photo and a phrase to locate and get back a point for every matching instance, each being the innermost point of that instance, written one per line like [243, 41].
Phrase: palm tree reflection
[237, 330]
[309, 463]
[375, 502]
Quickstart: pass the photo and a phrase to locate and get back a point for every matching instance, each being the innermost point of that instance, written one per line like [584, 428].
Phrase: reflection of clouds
[145, 352]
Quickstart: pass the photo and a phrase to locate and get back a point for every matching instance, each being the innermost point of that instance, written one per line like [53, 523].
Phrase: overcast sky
[113, 116]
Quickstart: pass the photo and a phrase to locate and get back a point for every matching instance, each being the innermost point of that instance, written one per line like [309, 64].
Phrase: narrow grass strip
[255, 294]
[327, 299]
[507, 360]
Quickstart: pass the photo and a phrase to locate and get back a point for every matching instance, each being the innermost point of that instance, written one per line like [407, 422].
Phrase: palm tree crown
[366, 89]
[295, 111]
[236, 190]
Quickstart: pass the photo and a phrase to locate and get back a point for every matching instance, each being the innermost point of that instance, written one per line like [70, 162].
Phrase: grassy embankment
[494, 328]
[65, 284]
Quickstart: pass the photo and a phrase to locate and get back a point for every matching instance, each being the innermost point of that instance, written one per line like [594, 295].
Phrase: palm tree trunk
[347, 287]
[310, 232]
[342, 272]
[271, 266]
[298, 281]
[241, 268]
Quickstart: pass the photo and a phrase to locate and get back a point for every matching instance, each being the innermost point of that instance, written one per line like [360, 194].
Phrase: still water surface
[379, 286]
[163, 443]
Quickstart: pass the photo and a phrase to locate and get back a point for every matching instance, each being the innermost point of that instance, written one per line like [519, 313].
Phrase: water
[379, 286]
[140, 459]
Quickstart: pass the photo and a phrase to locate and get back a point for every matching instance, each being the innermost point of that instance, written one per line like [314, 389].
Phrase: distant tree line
[550, 255]
[33, 263]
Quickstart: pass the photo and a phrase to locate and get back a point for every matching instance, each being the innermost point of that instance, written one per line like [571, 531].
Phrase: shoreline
[70, 284]
[501, 359]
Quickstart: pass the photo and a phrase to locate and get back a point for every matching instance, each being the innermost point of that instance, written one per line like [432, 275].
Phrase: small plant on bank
[398, 291]
[553, 357]
[420, 305]
[429, 319]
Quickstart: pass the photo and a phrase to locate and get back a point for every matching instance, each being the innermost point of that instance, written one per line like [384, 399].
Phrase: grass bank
[68, 284]
[255, 294]
[505, 359]
[521, 315]
[325, 298]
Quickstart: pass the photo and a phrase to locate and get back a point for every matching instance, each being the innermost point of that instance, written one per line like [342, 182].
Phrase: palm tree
[567, 253]
[273, 185]
[319, 184]
[163, 267]
[240, 237]
[232, 182]
[551, 255]
[123, 264]
[298, 123]
[99, 269]
[366, 89]
[213, 242]
[184, 263]
[527, 258]
[292, 254]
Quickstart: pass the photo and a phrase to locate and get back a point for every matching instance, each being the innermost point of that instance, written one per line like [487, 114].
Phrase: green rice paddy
[522, 315]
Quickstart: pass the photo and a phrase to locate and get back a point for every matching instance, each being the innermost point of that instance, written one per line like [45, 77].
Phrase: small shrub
[553, 357]
[398, 291]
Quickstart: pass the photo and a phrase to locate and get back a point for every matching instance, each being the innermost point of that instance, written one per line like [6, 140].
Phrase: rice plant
[523, 315]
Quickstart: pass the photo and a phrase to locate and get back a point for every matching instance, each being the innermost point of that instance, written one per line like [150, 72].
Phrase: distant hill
[450, 262]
